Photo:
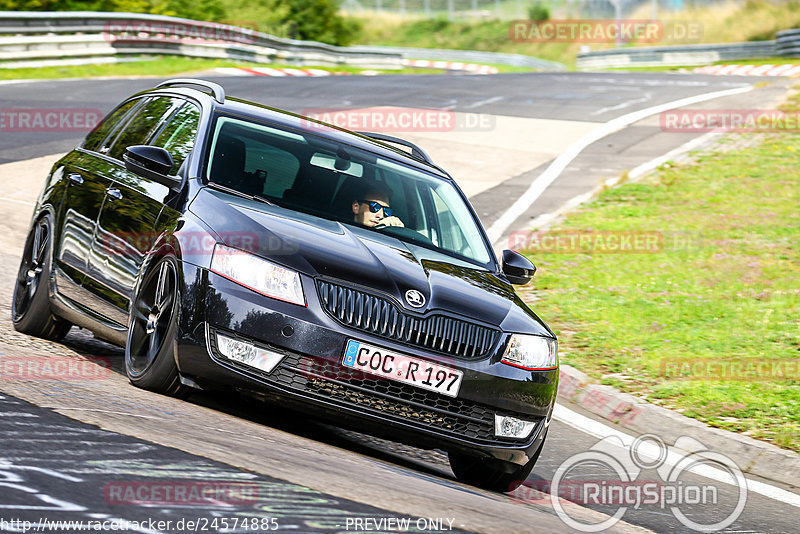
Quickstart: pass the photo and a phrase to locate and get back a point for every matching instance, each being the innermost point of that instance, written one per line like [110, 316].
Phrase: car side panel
[85, 191]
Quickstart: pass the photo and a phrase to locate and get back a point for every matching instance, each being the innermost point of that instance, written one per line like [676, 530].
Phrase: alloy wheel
[152, 314]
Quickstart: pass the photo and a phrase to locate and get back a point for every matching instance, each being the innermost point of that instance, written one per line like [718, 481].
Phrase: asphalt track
[345, 475]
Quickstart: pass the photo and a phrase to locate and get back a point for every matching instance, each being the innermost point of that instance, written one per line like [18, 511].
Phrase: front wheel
[30, 307]
[150, 348]
[489, 473]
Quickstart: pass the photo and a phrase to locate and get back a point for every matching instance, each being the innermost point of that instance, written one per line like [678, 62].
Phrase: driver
[374, 209]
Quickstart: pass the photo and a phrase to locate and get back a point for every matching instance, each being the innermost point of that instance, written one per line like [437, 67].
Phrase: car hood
[358, 256]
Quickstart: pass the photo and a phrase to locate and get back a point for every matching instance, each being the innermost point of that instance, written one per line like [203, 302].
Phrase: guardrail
[472, 56]
[84, 34]
[56, 35]
[674, 56]
[787, 43]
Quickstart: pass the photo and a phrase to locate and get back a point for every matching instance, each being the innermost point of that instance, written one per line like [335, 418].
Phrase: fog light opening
[248, 354]
[511, 427]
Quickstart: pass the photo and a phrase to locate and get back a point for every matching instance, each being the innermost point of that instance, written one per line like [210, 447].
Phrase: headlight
[531, 352]
[259, 275]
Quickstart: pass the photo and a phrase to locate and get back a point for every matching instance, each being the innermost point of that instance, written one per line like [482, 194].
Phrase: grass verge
[171, 65]
[725, 22]
[720, 288]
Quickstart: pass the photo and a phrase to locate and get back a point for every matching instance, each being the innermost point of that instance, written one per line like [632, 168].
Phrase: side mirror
[150, 162]
[517, 268]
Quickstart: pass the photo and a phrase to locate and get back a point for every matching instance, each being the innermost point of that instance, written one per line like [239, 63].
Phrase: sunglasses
[375, 207]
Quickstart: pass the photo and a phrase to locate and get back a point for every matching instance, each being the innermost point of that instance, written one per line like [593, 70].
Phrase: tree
[319, 20]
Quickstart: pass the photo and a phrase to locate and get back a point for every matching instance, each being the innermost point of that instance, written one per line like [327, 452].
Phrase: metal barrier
[471, 56]
[787, 43]
[55, 35]
[79, 34]
[675, 56]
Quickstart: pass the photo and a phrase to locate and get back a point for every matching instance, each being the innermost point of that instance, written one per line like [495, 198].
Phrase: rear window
[95, 140]
[144, 124]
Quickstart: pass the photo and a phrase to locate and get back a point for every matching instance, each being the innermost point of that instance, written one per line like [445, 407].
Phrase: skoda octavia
[226, 244]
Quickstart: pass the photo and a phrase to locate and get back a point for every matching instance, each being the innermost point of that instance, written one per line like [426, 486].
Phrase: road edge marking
[557, 166]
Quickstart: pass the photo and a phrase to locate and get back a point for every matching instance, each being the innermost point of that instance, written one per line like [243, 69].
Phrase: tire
[489, 473]
[150, 347]
[30, 304]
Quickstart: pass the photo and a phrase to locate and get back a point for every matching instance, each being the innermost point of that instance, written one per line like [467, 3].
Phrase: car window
[251, 159]
[319, 176]
[178, 136]
[94, 141]
[146, 121]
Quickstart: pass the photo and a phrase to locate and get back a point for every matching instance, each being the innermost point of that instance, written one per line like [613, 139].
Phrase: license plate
[402, 368]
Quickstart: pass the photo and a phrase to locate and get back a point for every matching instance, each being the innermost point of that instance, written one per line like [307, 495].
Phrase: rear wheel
[150, 348]
[489, 473]
[30, 307]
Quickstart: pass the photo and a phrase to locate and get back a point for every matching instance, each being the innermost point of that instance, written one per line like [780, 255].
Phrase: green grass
[727, 22]
[724, 286]
[171, 65]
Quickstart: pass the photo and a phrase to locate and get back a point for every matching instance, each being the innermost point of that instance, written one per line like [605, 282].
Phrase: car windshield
[312, 174]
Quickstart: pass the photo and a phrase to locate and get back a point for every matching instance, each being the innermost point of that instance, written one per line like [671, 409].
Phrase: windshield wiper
[230, 190]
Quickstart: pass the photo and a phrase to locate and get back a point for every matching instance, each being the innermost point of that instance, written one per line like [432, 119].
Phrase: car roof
[294, 121]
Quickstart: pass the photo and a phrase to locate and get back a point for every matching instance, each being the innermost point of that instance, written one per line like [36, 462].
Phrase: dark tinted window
[144, 124]
[303, 172]
[254, 161]
[179, 134]
[96, 137]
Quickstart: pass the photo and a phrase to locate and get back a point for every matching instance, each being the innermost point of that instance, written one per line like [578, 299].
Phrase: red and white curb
[751, 70]
[269, 71]
[472, 68]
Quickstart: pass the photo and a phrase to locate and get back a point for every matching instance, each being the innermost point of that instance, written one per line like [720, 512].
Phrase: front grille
[420, 408]
[388, 398]
[381, 317]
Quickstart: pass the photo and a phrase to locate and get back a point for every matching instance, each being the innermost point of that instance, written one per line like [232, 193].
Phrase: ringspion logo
[608, 475]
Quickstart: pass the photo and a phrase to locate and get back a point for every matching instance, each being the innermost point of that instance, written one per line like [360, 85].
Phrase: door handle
[76, 178]
[114, 193]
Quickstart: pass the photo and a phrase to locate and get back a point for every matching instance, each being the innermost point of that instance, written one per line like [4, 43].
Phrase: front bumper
[310, 377]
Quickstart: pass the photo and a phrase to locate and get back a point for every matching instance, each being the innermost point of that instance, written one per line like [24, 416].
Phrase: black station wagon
[226, 244]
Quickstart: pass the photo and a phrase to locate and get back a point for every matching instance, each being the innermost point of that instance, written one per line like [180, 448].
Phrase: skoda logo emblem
[415, 298]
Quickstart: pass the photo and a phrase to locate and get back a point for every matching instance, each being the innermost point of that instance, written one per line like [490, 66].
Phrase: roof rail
[215, 88]
[416, 152]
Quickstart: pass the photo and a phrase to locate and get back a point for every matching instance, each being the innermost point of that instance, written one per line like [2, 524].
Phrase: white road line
[601, 430]
[23, 202]
[484, 102]
[554, 170]
[624, 105]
